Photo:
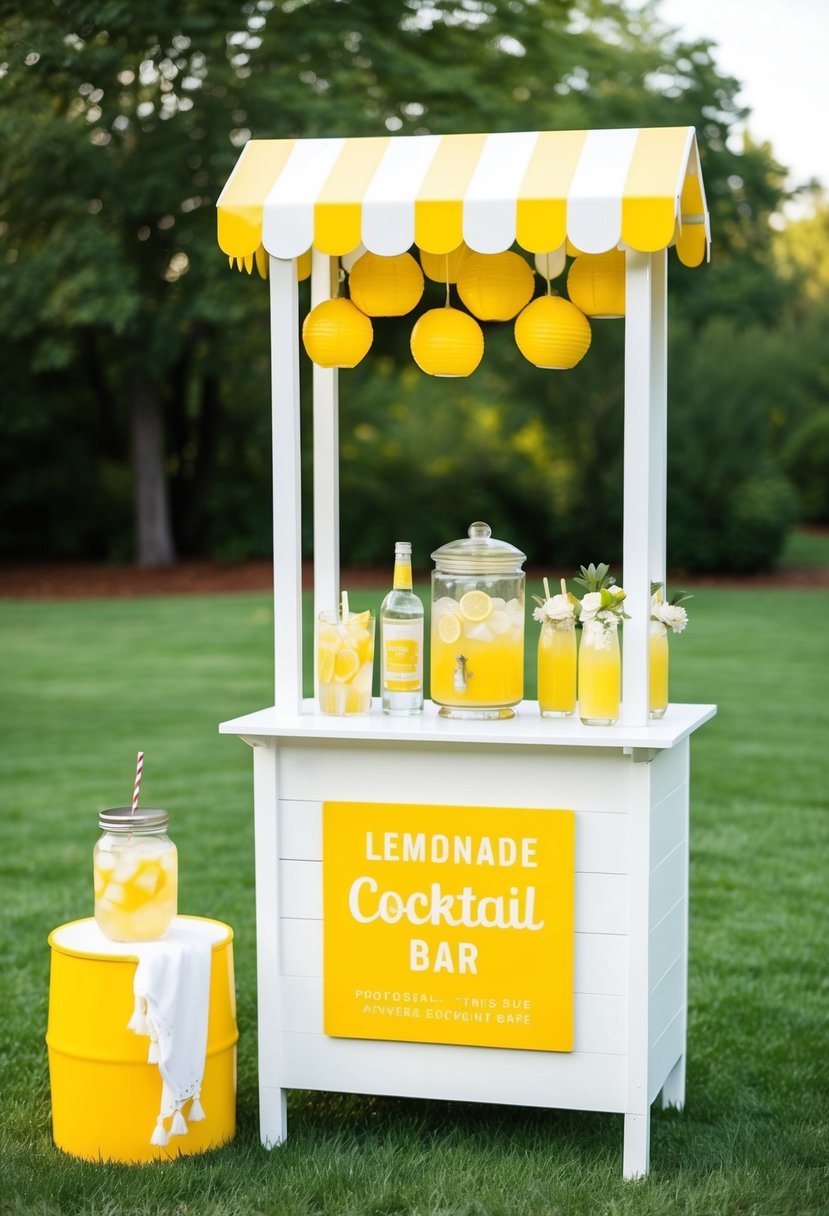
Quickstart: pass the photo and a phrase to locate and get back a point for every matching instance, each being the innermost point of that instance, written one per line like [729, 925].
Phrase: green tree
[118, 129]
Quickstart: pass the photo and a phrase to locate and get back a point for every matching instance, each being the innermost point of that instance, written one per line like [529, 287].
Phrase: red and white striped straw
[139, 764]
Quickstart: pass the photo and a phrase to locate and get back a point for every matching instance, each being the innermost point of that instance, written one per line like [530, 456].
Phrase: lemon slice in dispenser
[449, 628]
[476, 605]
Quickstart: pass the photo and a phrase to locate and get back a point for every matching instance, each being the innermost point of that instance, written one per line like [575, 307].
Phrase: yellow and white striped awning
[638, 188]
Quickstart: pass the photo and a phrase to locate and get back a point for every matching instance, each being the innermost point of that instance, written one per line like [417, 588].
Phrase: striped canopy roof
[639, 188]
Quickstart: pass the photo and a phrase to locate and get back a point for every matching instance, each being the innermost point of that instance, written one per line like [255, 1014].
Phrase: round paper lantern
[337, 334]
[596, 284]
[443, 267]
[385, 287]
[447, 342]
[552, 333]
[550, 265]
[495, 286]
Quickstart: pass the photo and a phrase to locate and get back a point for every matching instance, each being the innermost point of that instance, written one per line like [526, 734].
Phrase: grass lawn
[86, 684]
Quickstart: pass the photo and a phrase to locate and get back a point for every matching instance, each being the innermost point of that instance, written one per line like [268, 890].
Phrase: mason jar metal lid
[122, 819]
[479, 553]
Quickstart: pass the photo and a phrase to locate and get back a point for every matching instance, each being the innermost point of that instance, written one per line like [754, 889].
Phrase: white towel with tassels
[172, 998]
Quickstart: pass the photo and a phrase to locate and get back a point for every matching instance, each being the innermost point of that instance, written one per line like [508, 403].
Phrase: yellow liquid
[658, 663]
[345, 664]
[600, 679]
[136, 889]
[557, 670]
[492, 673]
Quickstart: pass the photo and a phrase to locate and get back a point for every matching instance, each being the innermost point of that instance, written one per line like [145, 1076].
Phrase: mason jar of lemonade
[477, 626]
[135, 871]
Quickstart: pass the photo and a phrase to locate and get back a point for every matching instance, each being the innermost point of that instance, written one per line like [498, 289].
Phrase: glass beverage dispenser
[478, 626]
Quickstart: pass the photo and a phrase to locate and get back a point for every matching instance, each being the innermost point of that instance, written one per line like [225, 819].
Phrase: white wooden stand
[628, 785]
[629, 789]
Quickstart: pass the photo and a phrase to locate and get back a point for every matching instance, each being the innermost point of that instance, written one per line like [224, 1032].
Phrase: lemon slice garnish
[325, 664]
[476, 605]
[346, 665]
[358, 621]
[449, 628]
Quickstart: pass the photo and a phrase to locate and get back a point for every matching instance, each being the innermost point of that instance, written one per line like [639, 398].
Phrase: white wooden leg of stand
[272, 1107]
[637, 1149]
[673, 1091]
[273, 1116]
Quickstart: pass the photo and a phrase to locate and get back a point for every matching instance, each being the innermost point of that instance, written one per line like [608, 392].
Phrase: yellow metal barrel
[105, 1095]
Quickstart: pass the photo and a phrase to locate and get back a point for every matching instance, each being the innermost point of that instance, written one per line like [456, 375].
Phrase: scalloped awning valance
[638, 188]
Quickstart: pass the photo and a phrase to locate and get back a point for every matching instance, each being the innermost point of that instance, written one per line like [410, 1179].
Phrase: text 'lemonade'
[477, 650]
[345, 662]
[135, 876]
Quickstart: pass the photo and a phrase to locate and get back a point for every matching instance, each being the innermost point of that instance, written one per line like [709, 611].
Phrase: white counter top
[527, 728]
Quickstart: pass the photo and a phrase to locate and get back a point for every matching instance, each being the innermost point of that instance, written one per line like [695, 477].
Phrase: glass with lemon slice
[477, 627]
[345, 662]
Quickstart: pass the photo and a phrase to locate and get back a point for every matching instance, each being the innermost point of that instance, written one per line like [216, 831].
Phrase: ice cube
[104, 861]
[125, 869]
[477, 632]
[499, 621]
[445, 604]
[115, 893]
[148, 881]
[498, 605]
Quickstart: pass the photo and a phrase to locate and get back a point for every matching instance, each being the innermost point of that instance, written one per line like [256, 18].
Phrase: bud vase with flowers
[665, 614]
[600, 660]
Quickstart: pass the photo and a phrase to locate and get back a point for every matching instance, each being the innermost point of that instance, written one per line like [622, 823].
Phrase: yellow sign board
[445, 924]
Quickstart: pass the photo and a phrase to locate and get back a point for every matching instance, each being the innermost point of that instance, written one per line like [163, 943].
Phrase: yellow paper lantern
[385, 287]
[443, 267]
[596, 284]
[495, 286]
[337, 334]
[447, 342]
[552, 333]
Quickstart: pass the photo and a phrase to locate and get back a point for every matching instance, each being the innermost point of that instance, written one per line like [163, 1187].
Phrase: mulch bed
[91, 580]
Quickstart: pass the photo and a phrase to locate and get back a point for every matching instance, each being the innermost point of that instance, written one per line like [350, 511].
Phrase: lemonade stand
[492, 911]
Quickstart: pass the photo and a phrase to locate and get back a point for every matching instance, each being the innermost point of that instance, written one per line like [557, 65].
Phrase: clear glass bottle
[135, 871]
[401, 640]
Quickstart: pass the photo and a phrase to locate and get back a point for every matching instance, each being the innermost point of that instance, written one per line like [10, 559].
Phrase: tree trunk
[153, 533]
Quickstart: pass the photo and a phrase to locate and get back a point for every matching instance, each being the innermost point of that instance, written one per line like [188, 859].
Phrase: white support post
[273, 1117]
[324, 273]
[644, 466]
[659, 416]
[287, 536]
[636, 1150]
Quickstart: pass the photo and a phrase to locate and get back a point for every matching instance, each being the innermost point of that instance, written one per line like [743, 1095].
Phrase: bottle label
[402, 656]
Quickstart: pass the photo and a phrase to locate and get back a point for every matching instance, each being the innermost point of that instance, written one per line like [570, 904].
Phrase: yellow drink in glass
[136, 887]
[345, 663]
[557, 669]
[600, 674]
[658, 669]
[478, 654]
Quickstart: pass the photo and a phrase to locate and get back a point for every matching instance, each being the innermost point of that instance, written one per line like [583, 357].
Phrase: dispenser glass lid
[478, 553]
